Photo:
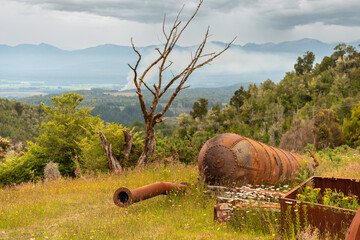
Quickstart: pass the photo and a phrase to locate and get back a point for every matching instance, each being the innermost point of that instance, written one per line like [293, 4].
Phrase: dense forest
[313, 104]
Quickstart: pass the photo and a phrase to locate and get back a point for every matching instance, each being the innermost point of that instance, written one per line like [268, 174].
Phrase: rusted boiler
[233, 159]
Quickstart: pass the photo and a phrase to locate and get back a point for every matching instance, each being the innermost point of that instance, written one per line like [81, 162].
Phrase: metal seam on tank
[260, 143]
[233, 146]
[236, 142]
[296, 157]
[290, 162]
[277, 161]
[258, 171]
[281, 165]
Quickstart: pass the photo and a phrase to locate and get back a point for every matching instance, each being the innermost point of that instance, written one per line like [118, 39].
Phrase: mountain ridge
[106, 66]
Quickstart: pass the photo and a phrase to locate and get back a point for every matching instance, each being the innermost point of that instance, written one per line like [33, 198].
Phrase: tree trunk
[238, 113]
[114, 164]
[150, 143]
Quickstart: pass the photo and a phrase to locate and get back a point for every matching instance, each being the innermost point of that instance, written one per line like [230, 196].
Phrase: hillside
[19, 121]
[123, 107]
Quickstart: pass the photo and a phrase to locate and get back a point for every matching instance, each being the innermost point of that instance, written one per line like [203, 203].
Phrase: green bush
[176, 149]
[326, 130]
[22, 169]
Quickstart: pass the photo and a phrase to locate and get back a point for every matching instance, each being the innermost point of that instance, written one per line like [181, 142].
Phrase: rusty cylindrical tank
[123, 197]
[233, 159]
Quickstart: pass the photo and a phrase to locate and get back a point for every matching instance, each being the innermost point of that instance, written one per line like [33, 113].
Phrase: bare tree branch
[198, 59]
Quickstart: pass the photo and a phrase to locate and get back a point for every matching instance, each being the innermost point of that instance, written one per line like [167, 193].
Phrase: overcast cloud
[278, 13]
[74, 24]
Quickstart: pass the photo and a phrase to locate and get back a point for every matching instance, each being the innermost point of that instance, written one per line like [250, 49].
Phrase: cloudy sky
[74, 24]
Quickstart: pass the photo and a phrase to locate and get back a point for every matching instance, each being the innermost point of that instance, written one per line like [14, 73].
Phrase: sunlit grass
[83, 209]
[339, 162]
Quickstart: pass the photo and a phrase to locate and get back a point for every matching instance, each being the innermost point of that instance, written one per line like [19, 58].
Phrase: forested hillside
[123, 107]
[269, 111]
[19, 121]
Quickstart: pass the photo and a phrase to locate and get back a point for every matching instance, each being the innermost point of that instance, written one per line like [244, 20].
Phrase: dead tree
[114, 164]
[198, 60]
[128, 137]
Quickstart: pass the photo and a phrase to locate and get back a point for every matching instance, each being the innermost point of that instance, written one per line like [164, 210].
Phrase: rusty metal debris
[236, 160]
[123, 197]
[353, 231]
[241, 198]
[327, 219]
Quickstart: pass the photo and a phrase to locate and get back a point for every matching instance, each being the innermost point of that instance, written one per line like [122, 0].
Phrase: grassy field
[82, 208]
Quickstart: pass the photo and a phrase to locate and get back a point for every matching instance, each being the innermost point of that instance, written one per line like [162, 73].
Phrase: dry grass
[83, 209]
[339, 162]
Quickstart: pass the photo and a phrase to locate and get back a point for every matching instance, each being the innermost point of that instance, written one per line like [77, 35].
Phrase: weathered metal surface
[123, 197]
[353, 232]
[326, 218]
[232, 159]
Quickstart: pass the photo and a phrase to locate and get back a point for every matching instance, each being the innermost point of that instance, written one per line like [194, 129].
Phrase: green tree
[68, 124]
[352, 127]
[199, 109]
[238, 100]
[327, 131]
[305, 63]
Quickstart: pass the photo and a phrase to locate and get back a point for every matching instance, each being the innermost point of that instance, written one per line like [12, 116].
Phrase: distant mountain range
[45, 68]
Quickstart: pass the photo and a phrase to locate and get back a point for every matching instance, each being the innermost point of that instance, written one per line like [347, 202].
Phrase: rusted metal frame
[353, 231]
[321, 216]
[326, 218]
[123, 197]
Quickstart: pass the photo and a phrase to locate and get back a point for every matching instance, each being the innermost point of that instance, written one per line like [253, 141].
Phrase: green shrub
[352, 127]
[326, 129]
[176, 149]
[22, 169]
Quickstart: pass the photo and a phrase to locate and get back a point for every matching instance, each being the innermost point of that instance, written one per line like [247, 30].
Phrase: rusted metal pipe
[236, 160]
[123, 197]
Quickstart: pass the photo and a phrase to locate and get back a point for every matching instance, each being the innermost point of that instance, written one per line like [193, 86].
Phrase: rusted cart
[333, 220]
